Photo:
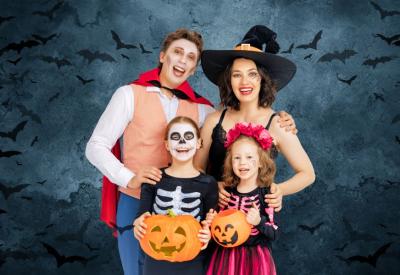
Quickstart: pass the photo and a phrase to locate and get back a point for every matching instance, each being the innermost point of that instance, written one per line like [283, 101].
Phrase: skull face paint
[182, 141]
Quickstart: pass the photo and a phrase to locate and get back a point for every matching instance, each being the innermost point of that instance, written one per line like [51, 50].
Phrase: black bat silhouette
[91, 56]
[341, 248]
[379, 96]
[54, 97]
[384, 13]
[2, 211]
[15, 62]
[354, 235]
[25, 112]
[49, 13]
[389, 40]
[122, 229]
[55, 60]
[84, 81]
[8, 191]
[75, 236]
[393, 182]
[44, 39]
[342, 56]
[125, 56]
[313, 44]
[8, 154]
[365, 180]
[35, 139]
[5, 19]
[382, 225]
[13, 133]
[310, 229]
[62, 259]
[120, 44]
[18, 47]
[308, 56]
[347, 81]
[143, 49]
[290, 49]
[371, 259]
[374, 62]
[397, 138]
[396, 119]
[41, 182]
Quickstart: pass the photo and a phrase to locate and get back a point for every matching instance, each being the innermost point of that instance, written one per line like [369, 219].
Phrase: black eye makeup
[175, 136]
[188, 135]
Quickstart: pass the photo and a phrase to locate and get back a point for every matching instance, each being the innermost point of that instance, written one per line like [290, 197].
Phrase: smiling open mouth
[167, 250]
[245, 91]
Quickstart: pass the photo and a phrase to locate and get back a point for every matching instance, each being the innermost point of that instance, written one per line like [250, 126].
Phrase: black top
[266, 231]
[194, 196]
[217, 153]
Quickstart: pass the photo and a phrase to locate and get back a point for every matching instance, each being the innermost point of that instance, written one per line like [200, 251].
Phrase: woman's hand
[223, 195]
[253, 215]
[204, 234]
[275, 198]
[149, 175]
[139, 228]
[286, 121]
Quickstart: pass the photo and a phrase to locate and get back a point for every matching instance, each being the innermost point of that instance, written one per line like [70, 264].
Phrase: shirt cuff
[124, 176]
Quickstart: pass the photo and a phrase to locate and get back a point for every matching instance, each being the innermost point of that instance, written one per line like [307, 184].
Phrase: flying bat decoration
[92, 56]
[382, 12]
[347, 81]
[51, 12]
[44, 39]
[390, 40]
[120, 44]
[290, 49]
[55, 60]
[14, 132]
[378, 60]
[336, 55]
[312, 44]
[84, 81]
[19, 46]
[8, 154]
[5, 19]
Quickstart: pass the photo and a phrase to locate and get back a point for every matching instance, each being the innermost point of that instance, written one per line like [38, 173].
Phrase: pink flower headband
[256, 131]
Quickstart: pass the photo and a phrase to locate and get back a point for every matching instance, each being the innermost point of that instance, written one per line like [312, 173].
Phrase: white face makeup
[182, 141]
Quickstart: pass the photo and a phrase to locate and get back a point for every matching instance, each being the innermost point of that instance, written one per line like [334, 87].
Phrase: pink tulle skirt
[242, 260]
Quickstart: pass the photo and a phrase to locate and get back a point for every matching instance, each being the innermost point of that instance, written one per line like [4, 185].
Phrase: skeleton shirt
[192, 196]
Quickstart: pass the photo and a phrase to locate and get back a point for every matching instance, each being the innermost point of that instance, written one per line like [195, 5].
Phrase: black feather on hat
[280, 69]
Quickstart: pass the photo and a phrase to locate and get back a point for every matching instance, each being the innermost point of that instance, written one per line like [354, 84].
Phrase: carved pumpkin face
[172, 239]
[230, 228]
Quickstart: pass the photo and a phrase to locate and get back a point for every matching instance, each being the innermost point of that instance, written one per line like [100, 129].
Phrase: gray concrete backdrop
[51, 194]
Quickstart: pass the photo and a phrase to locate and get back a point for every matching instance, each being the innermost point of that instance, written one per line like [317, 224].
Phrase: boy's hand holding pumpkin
[204, 234]
[139, 228]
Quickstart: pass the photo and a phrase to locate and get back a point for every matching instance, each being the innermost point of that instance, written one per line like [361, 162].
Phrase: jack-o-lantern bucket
[230, 228]
[171, 238]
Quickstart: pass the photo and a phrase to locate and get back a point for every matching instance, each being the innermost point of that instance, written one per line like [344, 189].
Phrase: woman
[248, 79]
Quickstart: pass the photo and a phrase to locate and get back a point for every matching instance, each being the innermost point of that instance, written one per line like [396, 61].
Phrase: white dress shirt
[111, 127]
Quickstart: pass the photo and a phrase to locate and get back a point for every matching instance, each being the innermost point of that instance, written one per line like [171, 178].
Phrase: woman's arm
[290, 147]
[201, 157]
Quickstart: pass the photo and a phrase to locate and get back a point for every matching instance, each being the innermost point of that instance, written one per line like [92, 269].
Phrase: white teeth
[246, 89]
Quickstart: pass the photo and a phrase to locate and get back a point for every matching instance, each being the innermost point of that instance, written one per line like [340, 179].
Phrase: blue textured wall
[50, 193]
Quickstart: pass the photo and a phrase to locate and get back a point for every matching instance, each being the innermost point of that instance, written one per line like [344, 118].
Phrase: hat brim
[280, 69]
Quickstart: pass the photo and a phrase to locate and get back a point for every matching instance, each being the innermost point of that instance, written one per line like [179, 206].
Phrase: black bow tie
[178, 93]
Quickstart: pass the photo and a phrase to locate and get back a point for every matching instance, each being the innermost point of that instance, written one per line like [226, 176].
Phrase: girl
[249, 79]
[248, 174]
[182, 188]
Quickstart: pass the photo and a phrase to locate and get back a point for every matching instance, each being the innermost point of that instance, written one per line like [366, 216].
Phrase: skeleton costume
[193, 196]
[253, 256]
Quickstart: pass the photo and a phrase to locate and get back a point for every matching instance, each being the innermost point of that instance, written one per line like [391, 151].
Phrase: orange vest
[143, 139]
